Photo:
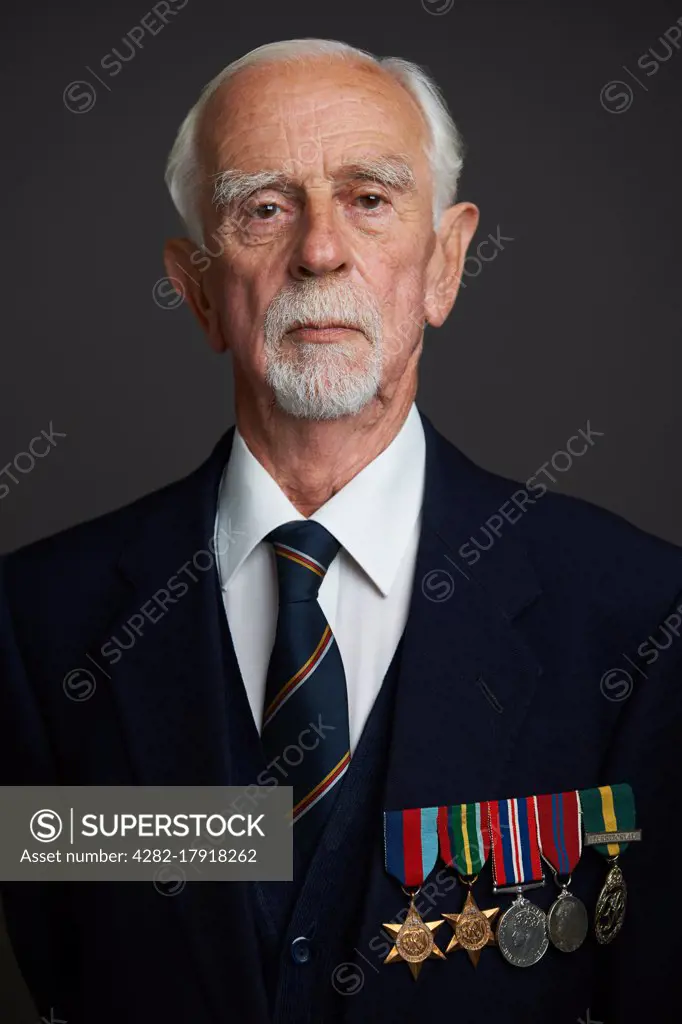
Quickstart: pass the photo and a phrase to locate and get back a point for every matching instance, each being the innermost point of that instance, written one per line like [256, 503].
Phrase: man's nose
[322, 245]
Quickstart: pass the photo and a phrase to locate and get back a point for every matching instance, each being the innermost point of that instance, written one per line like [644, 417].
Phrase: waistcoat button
[300, 950]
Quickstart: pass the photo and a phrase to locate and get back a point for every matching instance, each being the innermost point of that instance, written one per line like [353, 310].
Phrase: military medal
[609, 816]
[560, 846]
[410, 850]
[464, 842]
[522, 929]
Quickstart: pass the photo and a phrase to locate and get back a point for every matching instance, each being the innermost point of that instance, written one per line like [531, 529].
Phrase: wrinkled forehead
[309, 117]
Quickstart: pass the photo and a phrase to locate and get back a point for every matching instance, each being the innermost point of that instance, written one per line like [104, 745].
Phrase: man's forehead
[334, 107]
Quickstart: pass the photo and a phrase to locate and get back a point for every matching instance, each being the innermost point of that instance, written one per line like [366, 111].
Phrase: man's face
[318, 227]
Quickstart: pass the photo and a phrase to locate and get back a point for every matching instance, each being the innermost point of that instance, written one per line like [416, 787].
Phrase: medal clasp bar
[603, 838]
[518, 888]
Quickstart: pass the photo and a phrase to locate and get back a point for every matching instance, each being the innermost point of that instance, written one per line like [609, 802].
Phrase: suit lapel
[169, 684]
[169, 688]
[467, 677]
[466, 682]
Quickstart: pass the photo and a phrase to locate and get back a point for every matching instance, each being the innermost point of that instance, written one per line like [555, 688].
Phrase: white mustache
[310, 303]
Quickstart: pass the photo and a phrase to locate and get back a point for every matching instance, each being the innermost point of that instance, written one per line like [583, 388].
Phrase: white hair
[444, 150]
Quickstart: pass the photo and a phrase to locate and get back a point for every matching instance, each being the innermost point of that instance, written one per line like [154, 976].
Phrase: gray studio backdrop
[571, 113]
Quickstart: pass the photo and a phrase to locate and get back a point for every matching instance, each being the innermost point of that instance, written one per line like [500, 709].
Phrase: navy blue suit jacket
[503, 690]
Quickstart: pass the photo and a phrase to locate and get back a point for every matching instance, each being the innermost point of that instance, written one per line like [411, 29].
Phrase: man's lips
[322, 332]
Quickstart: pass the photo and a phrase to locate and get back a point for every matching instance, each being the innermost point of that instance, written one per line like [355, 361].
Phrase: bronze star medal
[472, 929]
[464, 838]
[410, 851]
[414, 941]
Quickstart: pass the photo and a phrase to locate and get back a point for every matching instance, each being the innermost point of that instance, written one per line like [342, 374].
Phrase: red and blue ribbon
[514, 841]
[561, 840]
[411, 844]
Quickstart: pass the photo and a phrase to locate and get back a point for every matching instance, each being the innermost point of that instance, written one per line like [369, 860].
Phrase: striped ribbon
[609, 809]
[514, 839]
[463, 836]
[411, 844]
[561, 840]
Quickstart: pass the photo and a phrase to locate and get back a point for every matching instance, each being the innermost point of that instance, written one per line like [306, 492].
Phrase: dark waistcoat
[303, 926]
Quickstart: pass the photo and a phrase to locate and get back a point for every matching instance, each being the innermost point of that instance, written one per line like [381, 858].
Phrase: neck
[311, 460]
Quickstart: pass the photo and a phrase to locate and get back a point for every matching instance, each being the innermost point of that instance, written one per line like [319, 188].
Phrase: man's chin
[323, 402]
[323, 381]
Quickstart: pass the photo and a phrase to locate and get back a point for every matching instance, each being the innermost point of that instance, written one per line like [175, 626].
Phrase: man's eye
[265, 211]
[371, 201]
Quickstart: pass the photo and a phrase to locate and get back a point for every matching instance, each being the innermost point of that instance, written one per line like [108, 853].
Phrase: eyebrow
[233, 186]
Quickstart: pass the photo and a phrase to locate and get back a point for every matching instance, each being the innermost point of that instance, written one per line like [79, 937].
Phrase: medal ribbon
[561, 838]
[609, 809]
[514, 837]
[411, 844]
[463, 836]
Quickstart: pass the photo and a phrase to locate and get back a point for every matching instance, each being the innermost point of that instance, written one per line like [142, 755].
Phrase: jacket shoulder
[607, 551]
[74, 573]
[88, 543]
[571, 543]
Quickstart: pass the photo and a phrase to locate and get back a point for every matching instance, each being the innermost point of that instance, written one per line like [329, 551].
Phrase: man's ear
[184, 265]
[444, 271]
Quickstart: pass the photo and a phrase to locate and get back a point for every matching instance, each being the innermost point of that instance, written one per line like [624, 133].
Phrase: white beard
[322, 381]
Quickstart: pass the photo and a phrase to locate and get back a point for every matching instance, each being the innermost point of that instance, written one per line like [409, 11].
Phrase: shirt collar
[371, 517]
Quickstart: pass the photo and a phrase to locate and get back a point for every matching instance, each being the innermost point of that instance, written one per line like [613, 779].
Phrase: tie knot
[304, 551]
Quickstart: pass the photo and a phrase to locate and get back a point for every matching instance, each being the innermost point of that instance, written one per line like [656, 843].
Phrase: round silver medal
[522, 933]
[567, 922]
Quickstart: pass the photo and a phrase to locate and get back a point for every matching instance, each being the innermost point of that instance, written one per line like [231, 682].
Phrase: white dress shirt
[365, 594]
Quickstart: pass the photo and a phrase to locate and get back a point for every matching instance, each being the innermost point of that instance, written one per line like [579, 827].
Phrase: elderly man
[442, 631]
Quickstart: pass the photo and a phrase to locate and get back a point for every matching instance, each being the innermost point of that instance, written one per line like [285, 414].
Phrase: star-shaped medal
[472, 929]
[414, 941]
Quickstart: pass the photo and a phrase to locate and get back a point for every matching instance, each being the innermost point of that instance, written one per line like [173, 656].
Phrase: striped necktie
[305, 720]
